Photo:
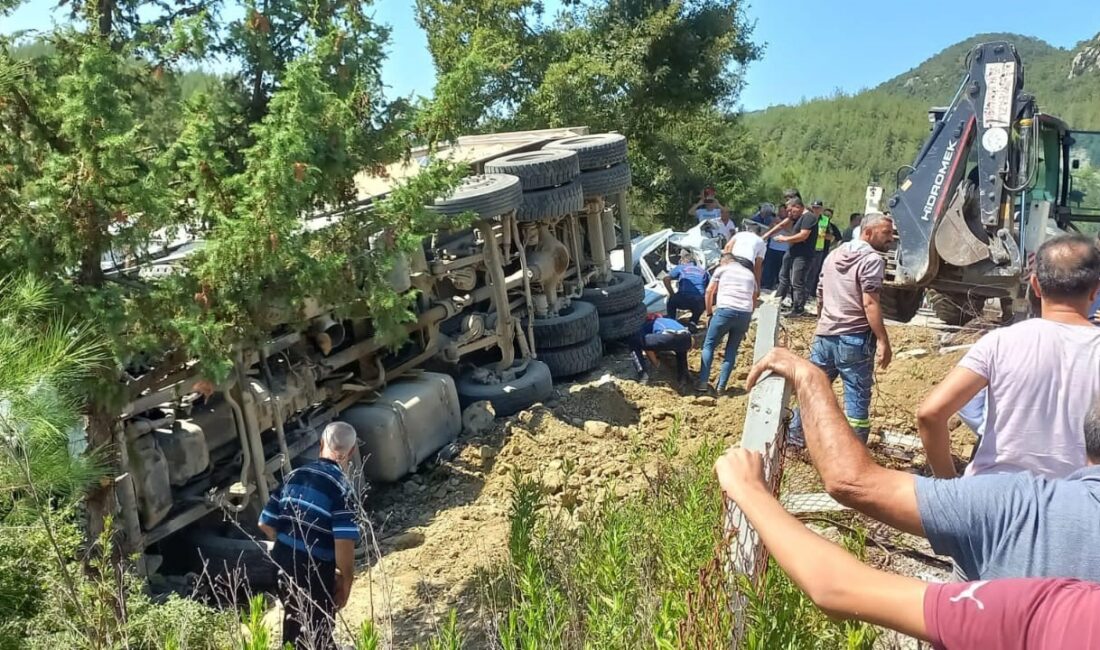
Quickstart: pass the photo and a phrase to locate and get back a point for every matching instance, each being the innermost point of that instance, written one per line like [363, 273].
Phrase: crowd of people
[1018, 524]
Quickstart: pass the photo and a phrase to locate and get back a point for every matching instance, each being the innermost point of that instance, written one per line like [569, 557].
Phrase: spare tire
[550, 203]
[594, 151]
[537, 170]
[623, 292]
[623, 324]
[572, 360]
[534, 384]
[577, 322]
[605, 182]
[486, 195]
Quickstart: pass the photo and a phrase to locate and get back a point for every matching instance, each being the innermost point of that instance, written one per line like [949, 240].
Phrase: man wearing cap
[689, 293]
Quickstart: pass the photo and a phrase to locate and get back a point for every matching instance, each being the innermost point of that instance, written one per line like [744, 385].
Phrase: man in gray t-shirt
[992, 526]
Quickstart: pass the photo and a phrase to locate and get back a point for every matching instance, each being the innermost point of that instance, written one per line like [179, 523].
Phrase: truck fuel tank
[409, 421]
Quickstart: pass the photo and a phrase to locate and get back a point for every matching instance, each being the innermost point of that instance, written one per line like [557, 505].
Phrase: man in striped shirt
[312, 521]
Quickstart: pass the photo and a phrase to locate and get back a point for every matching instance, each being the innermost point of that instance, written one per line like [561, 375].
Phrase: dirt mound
[441, 529]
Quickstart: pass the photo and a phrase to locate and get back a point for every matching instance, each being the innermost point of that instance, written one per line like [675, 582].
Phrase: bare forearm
[873, 309]
[837, 582]
[800, 236]
[708, 298]
[345, 559]
[936, 438]
[834, 448]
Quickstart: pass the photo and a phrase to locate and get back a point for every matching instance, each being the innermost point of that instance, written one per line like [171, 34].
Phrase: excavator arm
[942, 213]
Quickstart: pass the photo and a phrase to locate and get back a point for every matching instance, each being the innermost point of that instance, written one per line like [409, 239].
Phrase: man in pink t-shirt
[1042, 375]
[1023, 613]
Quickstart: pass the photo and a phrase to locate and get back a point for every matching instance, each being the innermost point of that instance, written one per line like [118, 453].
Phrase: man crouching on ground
[850, 327]
[312, 521]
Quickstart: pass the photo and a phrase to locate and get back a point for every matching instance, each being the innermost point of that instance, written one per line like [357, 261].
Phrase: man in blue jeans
[731, 298]
[850, 328]
[688, 295]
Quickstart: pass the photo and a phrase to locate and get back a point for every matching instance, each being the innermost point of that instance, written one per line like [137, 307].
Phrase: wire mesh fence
[734, 581]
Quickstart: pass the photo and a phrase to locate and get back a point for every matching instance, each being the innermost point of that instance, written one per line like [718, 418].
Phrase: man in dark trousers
[800, 257]
[660, 334]
[312, 520]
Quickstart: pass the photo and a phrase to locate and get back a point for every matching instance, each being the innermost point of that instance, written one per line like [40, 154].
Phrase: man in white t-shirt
[730, 299]
[724, 226]
[748, 249]
[1041, 375]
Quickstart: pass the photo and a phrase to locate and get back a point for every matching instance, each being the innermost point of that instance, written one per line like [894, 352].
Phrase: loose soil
[441, 531]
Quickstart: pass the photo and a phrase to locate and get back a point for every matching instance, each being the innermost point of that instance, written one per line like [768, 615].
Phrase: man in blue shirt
[689, 292]
[312, 520]
[659, 334]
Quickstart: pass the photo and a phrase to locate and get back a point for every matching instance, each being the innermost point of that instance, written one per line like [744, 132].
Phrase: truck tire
[594, 151]
[605, 182]
[577, 322]
[486, 195]
[572, 360]
[538, 170]
[623, 324]
[900, 305]
[248, 559]
[533, 385]
[623, 292]
[549, 203]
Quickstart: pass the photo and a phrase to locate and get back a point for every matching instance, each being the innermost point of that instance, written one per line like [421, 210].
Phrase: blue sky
[812, 47]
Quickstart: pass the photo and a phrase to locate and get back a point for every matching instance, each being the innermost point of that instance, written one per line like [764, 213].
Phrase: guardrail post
[763, 431]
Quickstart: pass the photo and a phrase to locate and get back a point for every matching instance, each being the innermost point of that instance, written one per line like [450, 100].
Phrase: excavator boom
[942, 214]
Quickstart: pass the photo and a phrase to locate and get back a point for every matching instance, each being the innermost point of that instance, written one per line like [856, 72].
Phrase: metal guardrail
[764, 431]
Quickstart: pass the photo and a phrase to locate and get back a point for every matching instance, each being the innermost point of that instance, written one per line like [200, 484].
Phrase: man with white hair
[850, 327]
[311, 518]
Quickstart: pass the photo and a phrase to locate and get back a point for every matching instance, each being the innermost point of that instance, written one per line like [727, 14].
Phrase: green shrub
[642, 571]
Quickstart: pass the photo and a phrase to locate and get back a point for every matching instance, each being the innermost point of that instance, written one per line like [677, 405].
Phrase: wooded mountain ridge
[833, 147]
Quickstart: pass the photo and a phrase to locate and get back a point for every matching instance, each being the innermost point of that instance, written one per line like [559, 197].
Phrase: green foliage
[46, 357]
[628, 574]
[256, 637]
[118, 146]
[833, 147]
[663, 74]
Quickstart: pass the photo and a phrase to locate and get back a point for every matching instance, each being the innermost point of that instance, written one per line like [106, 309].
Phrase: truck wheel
[623, 324]
[604, 182]
[900, 305]
[577, 322]
[486, 195]
[952, 308]
[572, 360]
[594, 151]
[537, 170]
[550, 203]
[534, 384]
[623, 292]
[246, 560]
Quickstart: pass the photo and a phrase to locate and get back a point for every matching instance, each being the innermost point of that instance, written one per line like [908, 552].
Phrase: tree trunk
[100, 501]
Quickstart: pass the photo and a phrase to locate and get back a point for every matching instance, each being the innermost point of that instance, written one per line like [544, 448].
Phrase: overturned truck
[520, 297]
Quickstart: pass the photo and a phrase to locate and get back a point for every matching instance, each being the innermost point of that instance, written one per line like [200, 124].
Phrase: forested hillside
[832, 147]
